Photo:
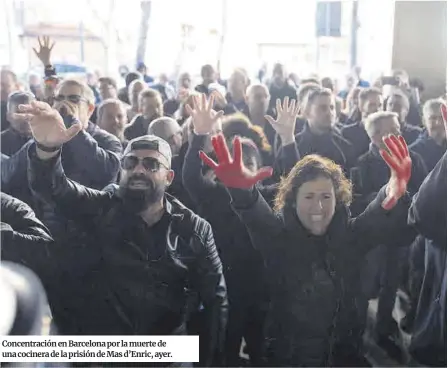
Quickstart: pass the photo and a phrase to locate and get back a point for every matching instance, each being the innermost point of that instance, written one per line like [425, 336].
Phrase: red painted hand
[232, 172]
[400, 164]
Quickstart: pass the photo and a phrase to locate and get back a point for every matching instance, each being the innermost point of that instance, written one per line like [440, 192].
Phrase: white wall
[420, 42]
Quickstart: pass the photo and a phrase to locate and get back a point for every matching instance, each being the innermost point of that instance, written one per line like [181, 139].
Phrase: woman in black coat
[313, 249]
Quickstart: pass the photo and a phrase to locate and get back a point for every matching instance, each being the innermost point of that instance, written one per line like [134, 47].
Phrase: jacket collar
[374, 149]
[307, 131]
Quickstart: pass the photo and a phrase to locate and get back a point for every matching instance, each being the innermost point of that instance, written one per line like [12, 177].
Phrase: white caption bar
[54, 349]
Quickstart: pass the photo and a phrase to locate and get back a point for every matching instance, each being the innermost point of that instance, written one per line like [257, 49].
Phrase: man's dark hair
[110, 81]
[132, 76]
[315, 93]
[141, 66]
[206, 68]
[367, 92]
[18, 98]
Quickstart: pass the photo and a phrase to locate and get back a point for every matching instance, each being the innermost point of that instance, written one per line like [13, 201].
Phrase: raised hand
[44, 51]
[203, 116]
[285, 123]
[47, 125]
[400, 164]
[232, 172]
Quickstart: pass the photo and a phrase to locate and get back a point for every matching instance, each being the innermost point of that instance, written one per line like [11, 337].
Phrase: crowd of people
[256, 213]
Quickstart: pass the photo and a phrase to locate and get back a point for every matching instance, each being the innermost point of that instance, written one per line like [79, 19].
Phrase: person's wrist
[44, 155]
[201, 132]
[287, 140]
[47, 148]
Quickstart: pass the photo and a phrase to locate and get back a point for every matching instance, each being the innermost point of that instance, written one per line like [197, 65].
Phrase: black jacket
[12, 141]
[315, 280]
[374, 174]
[177, 189]
[357, 136]
[428, 215]
[25, 240]
[92, 157]
[116, 284]
[4, 120]
[429, 150]
[138, 127]
[410, 133]
[14, 180]
[243, 265]
[332, 146]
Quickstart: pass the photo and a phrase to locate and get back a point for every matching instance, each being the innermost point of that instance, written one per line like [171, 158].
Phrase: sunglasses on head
[149, 163]
[76, 99]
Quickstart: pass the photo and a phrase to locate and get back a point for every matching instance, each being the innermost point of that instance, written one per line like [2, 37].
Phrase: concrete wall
[420, 43]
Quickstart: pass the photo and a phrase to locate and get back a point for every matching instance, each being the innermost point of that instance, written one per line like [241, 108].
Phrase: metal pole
[354, 35]
[81, 38]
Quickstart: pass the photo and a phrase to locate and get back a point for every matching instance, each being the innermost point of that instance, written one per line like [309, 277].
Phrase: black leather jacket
[25, 240]
[125, 287]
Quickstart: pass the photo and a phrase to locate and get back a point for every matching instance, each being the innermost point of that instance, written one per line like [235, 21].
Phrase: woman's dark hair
[310, 168]
[249, 149]
[239, 125]
[132, 76]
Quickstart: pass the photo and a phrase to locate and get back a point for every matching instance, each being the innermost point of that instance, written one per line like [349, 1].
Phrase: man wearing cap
[150, 256]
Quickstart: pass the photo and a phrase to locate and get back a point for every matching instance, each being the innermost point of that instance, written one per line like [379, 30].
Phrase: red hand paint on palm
[400, 164]
[231, 172]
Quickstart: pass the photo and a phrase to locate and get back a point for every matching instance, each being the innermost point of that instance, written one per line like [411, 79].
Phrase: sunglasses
[76, 99]
[149, 163]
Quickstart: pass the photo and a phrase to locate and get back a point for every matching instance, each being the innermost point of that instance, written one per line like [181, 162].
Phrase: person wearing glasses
[94, 153]
[74, 99]
[151, 258]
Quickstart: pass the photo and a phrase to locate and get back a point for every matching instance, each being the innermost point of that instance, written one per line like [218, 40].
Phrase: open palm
[231, 171]
[203, 116]
[287, 113]
[44, 52]
[47, 125]
[400, 164]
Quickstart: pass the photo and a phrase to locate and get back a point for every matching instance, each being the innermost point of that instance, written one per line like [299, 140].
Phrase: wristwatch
[47, 149]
